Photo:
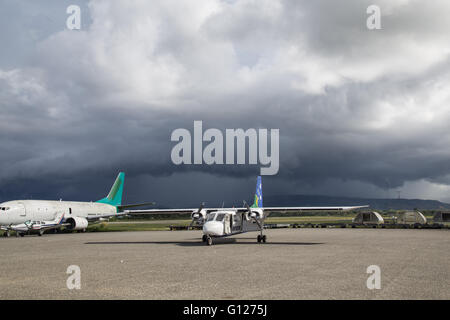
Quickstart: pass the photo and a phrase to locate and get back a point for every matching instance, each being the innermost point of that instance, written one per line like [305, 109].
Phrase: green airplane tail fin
[114, 196]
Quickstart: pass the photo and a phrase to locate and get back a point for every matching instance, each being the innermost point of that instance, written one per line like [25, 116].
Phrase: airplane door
[23, 213]
[227, 224]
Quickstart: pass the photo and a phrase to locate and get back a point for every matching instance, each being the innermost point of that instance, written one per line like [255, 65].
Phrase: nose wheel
[209, 241]
[261, 238]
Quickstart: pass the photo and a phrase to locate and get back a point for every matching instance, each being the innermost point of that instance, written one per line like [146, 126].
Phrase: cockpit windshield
[4, 208]
[220, 216]
[211, 217]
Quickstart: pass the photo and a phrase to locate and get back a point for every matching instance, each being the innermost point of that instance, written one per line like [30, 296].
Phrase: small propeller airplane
[38, 227]
[225, 222]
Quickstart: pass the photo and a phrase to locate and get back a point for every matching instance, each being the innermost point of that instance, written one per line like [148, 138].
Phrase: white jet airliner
[76, 215]
[224, 222]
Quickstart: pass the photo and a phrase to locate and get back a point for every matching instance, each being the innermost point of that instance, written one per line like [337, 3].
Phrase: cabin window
[70, 210]
[211, 217]
[220, 216]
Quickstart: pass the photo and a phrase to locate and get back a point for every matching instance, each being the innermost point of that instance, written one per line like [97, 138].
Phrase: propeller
[249, 211]
[197, 214]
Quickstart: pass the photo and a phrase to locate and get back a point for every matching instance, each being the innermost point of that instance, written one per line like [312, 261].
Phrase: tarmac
[304, 263]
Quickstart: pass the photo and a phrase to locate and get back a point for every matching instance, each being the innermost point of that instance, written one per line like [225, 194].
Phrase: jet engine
[77, 223]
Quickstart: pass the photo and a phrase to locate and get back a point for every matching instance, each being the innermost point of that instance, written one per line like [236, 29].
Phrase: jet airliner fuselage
[19, 211]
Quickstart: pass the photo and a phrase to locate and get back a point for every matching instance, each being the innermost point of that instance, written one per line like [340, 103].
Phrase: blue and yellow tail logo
[258, 203]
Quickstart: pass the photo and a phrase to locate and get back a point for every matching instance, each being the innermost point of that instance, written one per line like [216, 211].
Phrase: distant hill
[379, 204]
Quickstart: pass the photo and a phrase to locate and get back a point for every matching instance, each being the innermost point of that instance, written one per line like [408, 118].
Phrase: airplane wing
[56, 226]
[164, 211]
[93, 216]
[299, 209]
[267, 209]
[124, 206]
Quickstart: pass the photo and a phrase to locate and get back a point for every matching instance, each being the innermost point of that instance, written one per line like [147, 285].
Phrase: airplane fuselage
[227, 223]
[19, 211]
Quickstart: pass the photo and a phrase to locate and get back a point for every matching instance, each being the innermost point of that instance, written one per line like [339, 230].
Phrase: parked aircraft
[224, 222]
[77, 215]
[22, 215]
[32, 226]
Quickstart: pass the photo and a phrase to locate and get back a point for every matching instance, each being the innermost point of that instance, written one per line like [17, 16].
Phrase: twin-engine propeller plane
[39, 227]
[224, 222]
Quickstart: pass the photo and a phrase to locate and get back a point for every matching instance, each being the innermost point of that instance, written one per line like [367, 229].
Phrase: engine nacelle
[198, 216]
[77, 223]
[254, 214]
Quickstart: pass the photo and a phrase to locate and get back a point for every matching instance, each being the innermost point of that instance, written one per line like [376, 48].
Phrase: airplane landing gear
[6, 234]
[261, 238]
[204, 238]
[41, 232]
[209, 241]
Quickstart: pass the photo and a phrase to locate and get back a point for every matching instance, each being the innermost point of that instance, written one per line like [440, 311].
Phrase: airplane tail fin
[59, 217]
[114, 196]
[258, 203]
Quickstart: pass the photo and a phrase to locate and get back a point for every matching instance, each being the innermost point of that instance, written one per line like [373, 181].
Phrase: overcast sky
[361, 112]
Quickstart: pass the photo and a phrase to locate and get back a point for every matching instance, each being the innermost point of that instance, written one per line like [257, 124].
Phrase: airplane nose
[213, 228]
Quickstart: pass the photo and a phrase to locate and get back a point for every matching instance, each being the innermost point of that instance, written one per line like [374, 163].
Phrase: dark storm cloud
[357, 109]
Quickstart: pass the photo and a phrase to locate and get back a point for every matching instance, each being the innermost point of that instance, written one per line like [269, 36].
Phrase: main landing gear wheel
[261, 238]
[6, 234]
[204, 238]
[22, 234]
[209, 241]
[40, 233]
